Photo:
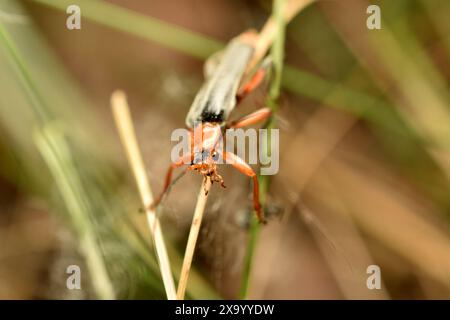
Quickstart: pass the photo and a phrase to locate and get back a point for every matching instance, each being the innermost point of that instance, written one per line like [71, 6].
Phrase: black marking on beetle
[217, 96]
[211, 116]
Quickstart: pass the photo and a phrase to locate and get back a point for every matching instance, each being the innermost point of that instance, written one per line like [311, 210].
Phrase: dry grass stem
[128, 137]
[193, 235]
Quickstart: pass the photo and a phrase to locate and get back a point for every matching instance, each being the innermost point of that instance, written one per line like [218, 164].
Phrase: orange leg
[243, 167]
[180, 162]
[254, 82]
[254, 117]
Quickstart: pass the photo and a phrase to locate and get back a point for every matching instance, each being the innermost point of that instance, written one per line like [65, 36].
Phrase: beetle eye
[215, 156]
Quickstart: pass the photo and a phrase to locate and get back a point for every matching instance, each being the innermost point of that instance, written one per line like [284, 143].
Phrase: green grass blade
[277, 53]
[58, 158]
[125, 20]
[56, 153]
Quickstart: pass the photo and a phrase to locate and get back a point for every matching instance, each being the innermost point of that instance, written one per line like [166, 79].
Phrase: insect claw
[204, 188]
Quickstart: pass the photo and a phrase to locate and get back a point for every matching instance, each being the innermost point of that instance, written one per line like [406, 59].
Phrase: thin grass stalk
[277, 52]
[56, 153]
[269, 30]
[193, 236]
[128, 137]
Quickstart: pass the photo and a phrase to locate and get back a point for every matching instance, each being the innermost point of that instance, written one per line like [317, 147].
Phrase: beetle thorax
[206, 136]
[205, 139]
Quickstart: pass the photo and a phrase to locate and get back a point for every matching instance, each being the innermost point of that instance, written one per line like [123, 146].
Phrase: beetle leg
[255, 80]
[251, 85]
[180, 162]
[244, 168]
[254, 117]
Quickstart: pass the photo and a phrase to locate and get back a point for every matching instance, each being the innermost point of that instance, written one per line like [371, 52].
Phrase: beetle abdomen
[217, 97]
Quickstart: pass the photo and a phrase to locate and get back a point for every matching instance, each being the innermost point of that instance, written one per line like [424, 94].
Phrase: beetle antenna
[169, 188]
